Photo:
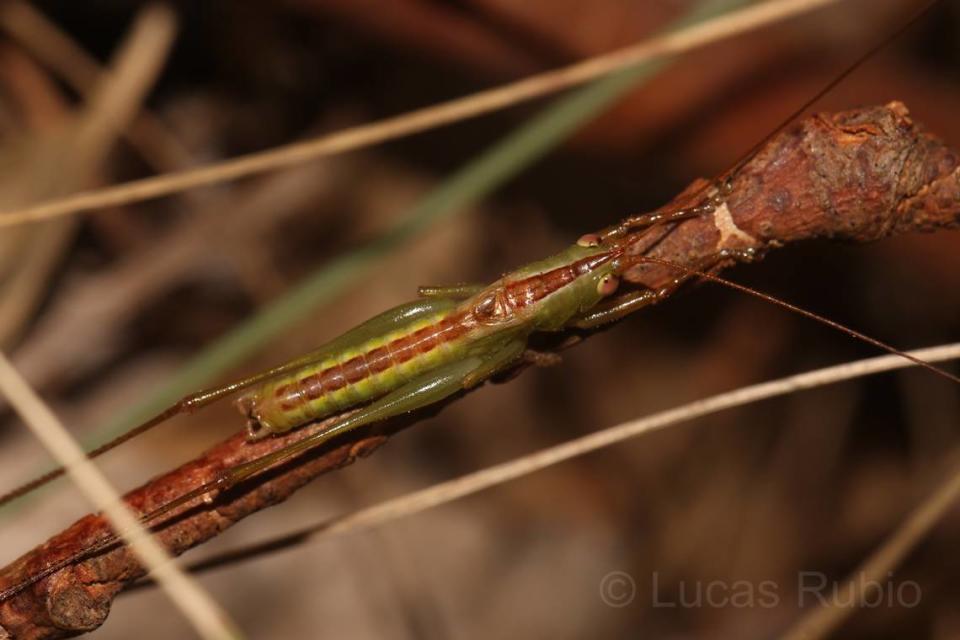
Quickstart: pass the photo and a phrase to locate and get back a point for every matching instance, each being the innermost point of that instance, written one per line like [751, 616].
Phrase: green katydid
[451, 339]
[448, 340]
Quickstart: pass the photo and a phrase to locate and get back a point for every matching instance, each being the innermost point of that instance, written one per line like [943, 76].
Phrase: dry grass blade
[785, 163]
[112, 104]
[119, 91]
[196, 605]
[449, 491]
[67, 59]
[871, 574]
[423, 119]
[60, 165]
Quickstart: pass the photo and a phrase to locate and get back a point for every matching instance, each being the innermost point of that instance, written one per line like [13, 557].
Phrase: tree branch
[857, 175]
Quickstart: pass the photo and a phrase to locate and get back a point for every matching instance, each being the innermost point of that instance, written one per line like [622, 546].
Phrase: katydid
[406, 357]
[450, 339]
[417, 354]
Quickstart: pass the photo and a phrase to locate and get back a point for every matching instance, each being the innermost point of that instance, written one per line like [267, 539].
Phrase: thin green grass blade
[481, 176]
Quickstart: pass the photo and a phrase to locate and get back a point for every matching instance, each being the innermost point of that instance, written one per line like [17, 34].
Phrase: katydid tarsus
[449, 339]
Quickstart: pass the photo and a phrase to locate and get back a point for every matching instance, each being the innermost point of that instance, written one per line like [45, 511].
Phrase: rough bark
[857, 175]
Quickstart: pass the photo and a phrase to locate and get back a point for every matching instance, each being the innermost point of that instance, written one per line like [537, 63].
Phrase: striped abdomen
[355, 376]
[382, 364]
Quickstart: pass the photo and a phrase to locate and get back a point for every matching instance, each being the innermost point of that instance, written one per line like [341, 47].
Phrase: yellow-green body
[415, 339]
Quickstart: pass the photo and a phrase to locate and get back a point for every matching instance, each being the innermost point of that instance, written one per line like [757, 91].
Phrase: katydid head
[604, 272]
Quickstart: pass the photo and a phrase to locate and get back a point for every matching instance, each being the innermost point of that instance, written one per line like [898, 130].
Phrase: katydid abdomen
[409, 342]
[355, 376]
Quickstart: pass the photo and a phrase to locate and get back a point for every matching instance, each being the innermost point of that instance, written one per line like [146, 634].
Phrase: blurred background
[109, 310]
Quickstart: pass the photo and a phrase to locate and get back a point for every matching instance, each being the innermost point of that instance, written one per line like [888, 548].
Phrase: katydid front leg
[716, 193]
[613, 310]
[622, 306]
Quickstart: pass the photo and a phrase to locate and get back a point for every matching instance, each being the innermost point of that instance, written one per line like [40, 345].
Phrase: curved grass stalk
[828, 617]
[132, 72]
[200, 609]
[488, 171]
[702, 32]
[445, 492]
[68, 60]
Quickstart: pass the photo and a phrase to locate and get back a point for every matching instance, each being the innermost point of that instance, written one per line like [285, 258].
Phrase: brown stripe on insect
[379, 360]
[425, 340]
[311, 387]
[523, 293]
[333, 378]
[355, 370]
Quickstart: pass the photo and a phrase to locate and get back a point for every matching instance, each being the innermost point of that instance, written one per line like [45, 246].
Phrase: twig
[209, 620]
[680, 41]
[802, 184]
[857, 175]
[444, 492]
[112, 105]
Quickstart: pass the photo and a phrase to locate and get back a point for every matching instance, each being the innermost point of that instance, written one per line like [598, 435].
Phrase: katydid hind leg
[423, 390]
[377, 325]
[420, 392]
[496, 362]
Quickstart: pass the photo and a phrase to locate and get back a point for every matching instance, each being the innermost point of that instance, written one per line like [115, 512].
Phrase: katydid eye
[607, 285]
